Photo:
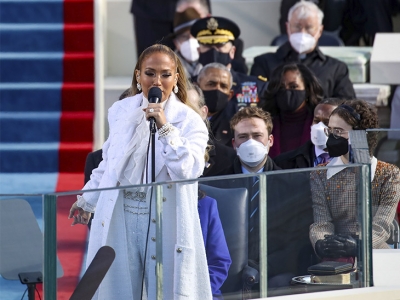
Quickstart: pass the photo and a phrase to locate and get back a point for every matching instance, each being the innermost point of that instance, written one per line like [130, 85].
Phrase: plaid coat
[335, 203]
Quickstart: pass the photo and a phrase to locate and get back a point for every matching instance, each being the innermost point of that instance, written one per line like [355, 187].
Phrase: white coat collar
[171, 108]
[337, 162]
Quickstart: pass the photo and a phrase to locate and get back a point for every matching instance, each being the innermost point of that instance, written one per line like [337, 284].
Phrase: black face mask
[215, 100]
[213, 55]
[337, 146]
[290, 100]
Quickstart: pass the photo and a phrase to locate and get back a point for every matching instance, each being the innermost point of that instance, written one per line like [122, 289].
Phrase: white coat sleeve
[184, 148]
[88, 200]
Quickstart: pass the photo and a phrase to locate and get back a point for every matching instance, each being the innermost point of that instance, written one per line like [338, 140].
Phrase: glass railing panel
[237, 200]
[248, 263]
[304, 208]
[21, 245]
[181, 205]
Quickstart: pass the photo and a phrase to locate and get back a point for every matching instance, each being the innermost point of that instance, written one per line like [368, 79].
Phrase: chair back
[233, 212]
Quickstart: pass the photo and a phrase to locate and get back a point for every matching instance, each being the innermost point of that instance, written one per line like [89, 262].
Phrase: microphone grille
[155, 93]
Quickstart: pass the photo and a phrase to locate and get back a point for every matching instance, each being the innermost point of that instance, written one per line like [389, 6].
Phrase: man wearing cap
[185, 44]
[304, 28]
[216, 36]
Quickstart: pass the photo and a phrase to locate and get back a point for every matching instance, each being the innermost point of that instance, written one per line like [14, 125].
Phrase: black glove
[336, 246]
[322, 249]
[341, 245]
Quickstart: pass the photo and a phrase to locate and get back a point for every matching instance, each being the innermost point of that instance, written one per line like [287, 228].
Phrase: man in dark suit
[304, 28]
[215, 80]
[93, 160]
[314, 151]
[219, 155]
[288, 218]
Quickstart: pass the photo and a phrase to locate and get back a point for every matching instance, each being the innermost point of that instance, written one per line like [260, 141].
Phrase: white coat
[178, 156]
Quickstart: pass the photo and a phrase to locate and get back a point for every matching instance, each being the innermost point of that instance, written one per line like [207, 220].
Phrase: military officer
[216, 36]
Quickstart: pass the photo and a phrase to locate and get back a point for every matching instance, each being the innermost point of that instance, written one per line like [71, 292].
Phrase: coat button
[153, 257]
[153, 220]
[164, 199]
[169, 186]
[102, 223]
[179, 250]
[153, 239]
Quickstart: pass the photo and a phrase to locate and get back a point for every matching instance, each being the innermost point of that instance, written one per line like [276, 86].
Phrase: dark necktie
[322, 158]
[254, 220]
[255, 190]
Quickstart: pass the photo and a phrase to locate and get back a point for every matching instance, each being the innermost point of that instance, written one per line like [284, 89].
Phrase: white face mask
[189, 50]
[318, 136]
[302, 42]
[251, 152]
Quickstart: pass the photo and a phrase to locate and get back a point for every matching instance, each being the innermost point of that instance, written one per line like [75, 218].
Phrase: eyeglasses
[336, 132]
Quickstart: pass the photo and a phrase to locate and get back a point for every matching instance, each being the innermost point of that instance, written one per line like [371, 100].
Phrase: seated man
[289, 249]
[215, 80]
[313, 152]
[216, 36]
[219, 156]
[304, 28]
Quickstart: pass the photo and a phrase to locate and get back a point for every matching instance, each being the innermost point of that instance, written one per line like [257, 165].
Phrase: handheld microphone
[155, 96]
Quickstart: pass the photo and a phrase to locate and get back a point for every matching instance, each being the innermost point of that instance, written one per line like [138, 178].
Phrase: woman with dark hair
[292, 94]
[125, 219]
[336, 225]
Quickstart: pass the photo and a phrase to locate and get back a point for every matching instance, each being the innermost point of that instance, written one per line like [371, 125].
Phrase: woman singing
[125, 219]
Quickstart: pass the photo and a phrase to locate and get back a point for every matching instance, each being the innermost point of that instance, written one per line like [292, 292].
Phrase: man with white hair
[304, 28]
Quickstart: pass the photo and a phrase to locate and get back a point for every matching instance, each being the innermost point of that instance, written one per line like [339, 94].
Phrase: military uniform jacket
[333, 74]
[247, 91]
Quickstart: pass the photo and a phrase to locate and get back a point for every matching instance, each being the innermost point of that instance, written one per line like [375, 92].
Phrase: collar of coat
[269, 165]
[286, 51]
[339, 166]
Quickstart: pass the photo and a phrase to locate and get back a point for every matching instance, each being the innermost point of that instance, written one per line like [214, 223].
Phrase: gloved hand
[342, 245]
[336, 246]
[322, 249]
